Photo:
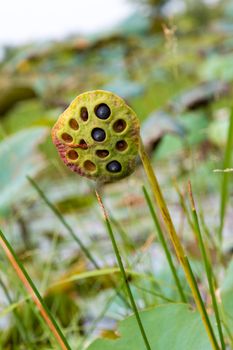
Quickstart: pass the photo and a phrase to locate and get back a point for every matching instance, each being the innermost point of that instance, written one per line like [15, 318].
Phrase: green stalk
[225, 177]
[103, 312]
[158, 295]
[125, 238]
[34, 293]
[209, 272]
[205, 317]
[161, 204]
[124, 275]
[164, 245]
[64, 223]
[183, 205]
[71, 231]
[211, 241]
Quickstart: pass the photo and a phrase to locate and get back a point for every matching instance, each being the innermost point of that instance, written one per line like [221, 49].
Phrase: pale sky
[26, 20]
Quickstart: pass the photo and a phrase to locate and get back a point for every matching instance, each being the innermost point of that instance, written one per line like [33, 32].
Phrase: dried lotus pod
[97, 136]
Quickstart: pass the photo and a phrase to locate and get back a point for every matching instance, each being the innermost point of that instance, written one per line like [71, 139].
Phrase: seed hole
[84, 114]
[114, 166]
[66, 137]
[102, 111]
[98, 134]
[73, 124]
[121, 145]
[72, 154]
[83, 144]
[89, 165]
[102, 153]
[119, 125]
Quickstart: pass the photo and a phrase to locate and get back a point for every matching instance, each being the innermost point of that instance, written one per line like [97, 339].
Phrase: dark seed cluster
[103, 112]
[95, 138]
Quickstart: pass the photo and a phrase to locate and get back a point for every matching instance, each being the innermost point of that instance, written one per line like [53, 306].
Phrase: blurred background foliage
[172, 62]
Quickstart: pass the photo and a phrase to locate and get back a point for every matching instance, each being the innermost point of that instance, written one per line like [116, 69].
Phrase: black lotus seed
[114, 166]
[98, 134]
[103, 111]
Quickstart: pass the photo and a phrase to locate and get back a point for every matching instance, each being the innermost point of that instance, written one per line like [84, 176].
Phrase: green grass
[75, 278]
[34, 293]
[226, 177]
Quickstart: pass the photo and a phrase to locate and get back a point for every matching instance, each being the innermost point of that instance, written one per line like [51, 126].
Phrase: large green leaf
[18, 158]
[170, 327]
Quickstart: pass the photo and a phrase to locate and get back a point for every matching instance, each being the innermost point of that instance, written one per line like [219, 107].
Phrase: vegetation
[140, 263]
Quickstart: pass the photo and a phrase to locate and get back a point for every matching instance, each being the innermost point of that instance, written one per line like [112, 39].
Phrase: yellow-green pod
[97, 136]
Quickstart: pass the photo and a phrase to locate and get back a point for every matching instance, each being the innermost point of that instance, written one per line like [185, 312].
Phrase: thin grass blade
[123, 272]
[33, 291]
[161, 205]
[165, 247]
[208, 268]
[225, 177]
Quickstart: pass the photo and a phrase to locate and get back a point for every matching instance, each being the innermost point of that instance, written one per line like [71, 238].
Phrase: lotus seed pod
[97, 136]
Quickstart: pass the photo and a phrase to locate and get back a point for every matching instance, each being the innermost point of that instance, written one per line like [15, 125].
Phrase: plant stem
[161, 204]
[93, 326]
[71, 232]
[183, 205]
[64, 223]
[225, 177]
[152, 292]
[209, 272]
[125, 279]
[204, 314]
[165, 247]
[36, 297]
[126, 240]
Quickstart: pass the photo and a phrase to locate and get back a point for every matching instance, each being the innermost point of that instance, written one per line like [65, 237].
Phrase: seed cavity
[114, 166]
[121, 145]
[72, 154]
[73, 124]
[83, 144]
[102, 153]
[84, 114]
[119, 125]
[102, 111]
[89, 165]
[66, 137]
[98, 134]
